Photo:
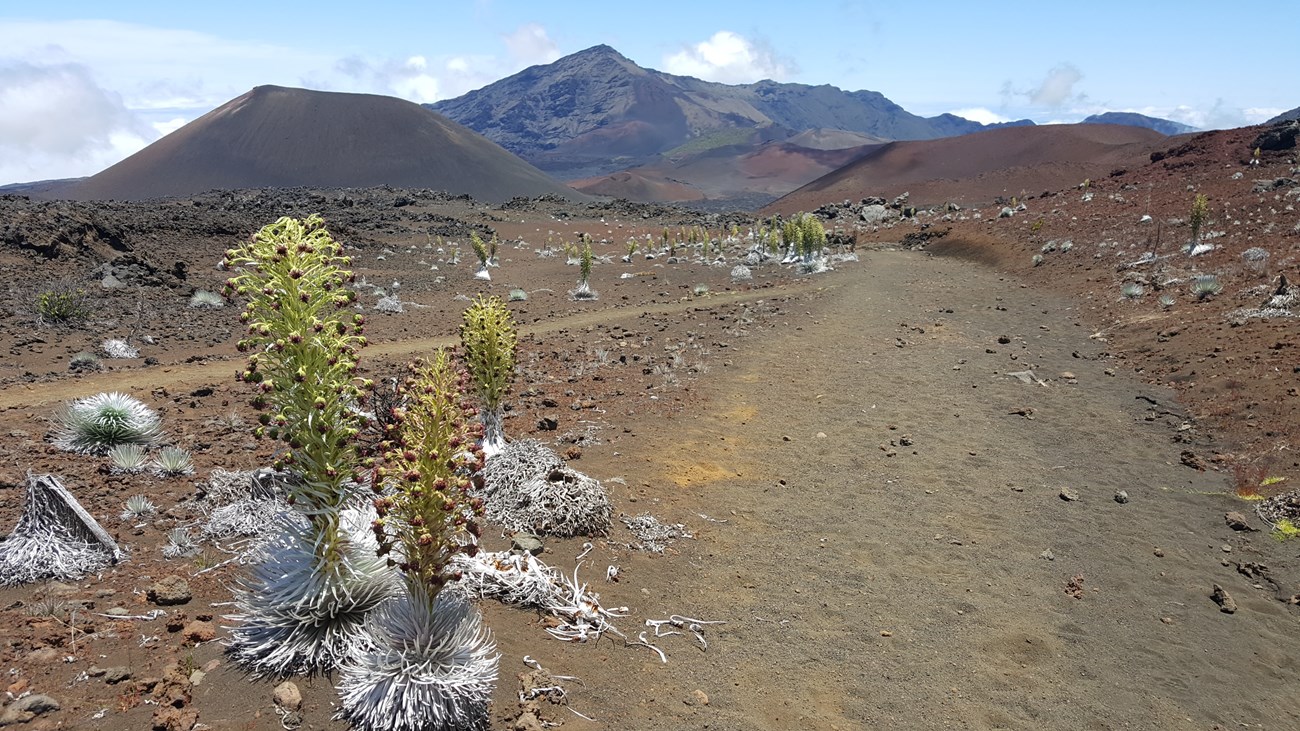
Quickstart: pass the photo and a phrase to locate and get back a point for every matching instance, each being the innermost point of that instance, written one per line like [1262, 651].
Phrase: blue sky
[84, 84]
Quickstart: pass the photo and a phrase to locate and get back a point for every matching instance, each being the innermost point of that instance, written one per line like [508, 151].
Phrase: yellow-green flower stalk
[302, 608]
[481, 253]
[430, 664]
[584, 290]
[489, 338]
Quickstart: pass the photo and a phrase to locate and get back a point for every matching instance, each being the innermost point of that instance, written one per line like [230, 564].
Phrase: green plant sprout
[489, 339]
[584, 290]
[1200, 210]
[482, 254]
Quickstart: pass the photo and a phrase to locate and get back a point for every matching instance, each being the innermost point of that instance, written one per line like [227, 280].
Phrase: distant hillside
[1133, 119]
[1285, 116]
[595, 111]
[274, 137]
[978, 168]
[749, 174]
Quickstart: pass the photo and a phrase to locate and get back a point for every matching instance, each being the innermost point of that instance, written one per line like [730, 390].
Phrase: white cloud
[729, 58]
[149, 80]
[530, 45]
[56, 121]
[1058, 87]
[981, 115]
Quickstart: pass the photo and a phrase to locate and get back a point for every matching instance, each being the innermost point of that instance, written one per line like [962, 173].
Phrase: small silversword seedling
[205, 300]
[1205, 286]
[173, 462]
[84, 361]
[137, 506]
[128, 459]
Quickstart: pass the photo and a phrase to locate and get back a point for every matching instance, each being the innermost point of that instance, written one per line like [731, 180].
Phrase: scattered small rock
[1068, 495]
[1047, 554]
[170, 591]
[26, 708]
[1121, 497]
[287, 696]
[115, 675]
[1226, 603]
[524, 542]
[1236, 521]
[199, 631]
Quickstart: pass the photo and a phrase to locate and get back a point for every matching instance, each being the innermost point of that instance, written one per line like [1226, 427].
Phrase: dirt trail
[928, 584]
[36, 394]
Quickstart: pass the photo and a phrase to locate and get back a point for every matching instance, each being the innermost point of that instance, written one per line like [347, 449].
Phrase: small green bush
[63, 304]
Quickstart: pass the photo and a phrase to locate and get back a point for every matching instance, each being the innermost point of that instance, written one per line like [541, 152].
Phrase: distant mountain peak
[596, 111]
[1133, 119]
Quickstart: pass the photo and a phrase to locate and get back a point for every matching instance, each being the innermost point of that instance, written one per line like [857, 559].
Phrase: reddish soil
[879, 510]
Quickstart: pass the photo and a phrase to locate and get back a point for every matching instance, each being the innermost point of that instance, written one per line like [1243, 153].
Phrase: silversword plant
[95, 424]
[489, 339]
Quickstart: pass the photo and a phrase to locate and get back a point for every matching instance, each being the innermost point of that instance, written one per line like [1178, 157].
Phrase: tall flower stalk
[302, 608]
[489, 338]
[430, 663]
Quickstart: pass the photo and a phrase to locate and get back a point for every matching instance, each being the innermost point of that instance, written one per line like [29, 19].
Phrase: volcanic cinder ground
[893, 530]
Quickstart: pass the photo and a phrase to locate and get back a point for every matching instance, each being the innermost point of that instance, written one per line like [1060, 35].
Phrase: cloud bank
[56, 121]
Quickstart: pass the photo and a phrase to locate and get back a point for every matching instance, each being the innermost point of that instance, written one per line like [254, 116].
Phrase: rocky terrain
[991, 471]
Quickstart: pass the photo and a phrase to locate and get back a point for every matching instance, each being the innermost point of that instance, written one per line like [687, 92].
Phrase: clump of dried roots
[523, 581]
[527, 487]
[55, 538]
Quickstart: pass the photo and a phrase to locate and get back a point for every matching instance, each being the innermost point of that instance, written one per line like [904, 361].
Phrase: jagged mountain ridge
[596, 111]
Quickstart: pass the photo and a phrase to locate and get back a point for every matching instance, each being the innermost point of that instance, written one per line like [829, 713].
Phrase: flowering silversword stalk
[429, 663]
[303, 607]
[489, 338]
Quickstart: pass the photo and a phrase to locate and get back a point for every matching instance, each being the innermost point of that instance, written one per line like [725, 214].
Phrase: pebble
[198, 631]
[115, 675]
[1121, 497]
[525, 542]
[1226, 603]
[1159, 553]
[26, 708]
[287, 696]
[170, 591]
[1048, 555]
[1068, 495]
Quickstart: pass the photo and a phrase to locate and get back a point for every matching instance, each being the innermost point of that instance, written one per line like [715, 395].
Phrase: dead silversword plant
[482, 254]
[489, 338]
[303, 607]
[584, 290]
[430, 664]
[55, 538]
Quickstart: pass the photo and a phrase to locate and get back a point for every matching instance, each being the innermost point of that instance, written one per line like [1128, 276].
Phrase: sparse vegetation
[1132, 290]
[84, 361]
[63, 304]
[518, 295]
[584, 290]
